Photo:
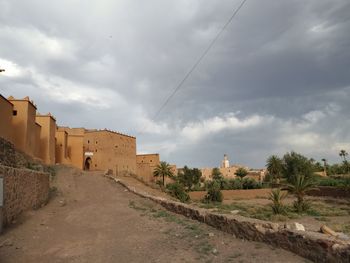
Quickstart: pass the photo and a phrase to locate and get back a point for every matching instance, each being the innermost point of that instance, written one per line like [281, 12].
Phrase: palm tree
[163, 169]
[343, 154]
[274, 167]
[277, 197]
[299, 186]
[324, 166]
[241, 172]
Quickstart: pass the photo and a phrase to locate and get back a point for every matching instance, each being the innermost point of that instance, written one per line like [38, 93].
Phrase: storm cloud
[278, 78]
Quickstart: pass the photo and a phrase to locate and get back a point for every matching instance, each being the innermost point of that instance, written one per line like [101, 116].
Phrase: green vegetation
[177, 190]
[319, 210]
[216, 174]
[241, 172]
[163, 170]
[277, 197]
[214, 192]
[332, 181]
[295, 165]
[299, 186]
[274, 168]
[235, 184]
[189, 177]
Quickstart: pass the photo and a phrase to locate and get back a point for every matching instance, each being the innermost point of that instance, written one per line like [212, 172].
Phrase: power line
[199, 60]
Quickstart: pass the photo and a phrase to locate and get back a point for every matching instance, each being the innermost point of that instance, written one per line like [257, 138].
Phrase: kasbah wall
[39, 137]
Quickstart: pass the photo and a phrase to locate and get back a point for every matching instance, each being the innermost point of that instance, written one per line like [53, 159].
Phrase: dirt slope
[93, 219]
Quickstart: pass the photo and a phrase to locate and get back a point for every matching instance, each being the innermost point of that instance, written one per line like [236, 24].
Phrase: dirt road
[93, 219]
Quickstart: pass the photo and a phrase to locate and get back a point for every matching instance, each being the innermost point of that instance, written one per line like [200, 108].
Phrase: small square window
[14, 113]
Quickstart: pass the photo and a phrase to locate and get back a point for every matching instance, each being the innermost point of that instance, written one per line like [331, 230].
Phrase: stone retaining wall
[314, 246]
[23, 189]
[7, 153]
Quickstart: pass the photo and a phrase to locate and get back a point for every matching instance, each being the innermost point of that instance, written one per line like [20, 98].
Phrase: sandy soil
[93, 219]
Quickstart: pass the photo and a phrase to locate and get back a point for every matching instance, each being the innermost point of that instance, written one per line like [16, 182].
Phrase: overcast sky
[278, 78]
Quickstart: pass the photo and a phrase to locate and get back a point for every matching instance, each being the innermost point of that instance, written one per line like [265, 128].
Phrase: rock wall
[23, 189]
[10, 156]
[314, 246]
[7, 153]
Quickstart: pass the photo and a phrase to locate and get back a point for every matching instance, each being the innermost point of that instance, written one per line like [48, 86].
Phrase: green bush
[332, 181]
[177, 190]
[236, 184]
[277, 197]
[214, 193]
[250, 183]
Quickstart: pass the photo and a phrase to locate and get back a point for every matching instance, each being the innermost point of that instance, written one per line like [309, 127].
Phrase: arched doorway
[87, 163]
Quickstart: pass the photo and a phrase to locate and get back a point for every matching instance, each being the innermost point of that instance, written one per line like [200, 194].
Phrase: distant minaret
[225, 163]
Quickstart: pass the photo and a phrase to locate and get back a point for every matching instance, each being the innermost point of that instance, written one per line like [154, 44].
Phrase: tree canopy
[241, 172]
[189, 177]
[274, 167]
[163, 170]
[296, 164]
[216, 174]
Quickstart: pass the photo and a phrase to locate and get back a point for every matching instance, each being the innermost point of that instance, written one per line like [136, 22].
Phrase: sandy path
[93, 219]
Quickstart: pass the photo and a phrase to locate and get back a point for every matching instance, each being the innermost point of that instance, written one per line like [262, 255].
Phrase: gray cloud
[278, 78]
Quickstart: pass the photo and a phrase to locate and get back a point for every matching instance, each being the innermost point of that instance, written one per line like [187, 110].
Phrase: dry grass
[320, 210]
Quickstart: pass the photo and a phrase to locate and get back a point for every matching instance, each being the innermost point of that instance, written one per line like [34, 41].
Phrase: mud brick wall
[23, 190]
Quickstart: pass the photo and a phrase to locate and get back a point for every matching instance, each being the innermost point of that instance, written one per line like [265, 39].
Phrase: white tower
[225, 163]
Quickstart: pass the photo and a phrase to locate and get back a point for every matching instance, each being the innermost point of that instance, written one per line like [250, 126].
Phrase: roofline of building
[6, 99]
[24, 100]
[57, 130]
[46, 115]
[105, 130]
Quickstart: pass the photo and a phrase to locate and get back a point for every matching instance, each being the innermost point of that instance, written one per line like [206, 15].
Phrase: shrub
[332, 181]
[250, 183]
[214, 194]
[299, 186]
[178, 191]
[301, 206]
[277, 197]
[197, 187]
[225, 184]
[236, 184]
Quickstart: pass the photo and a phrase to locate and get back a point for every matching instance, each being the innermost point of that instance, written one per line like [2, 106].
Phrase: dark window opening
[14, 113]
[88, 141]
